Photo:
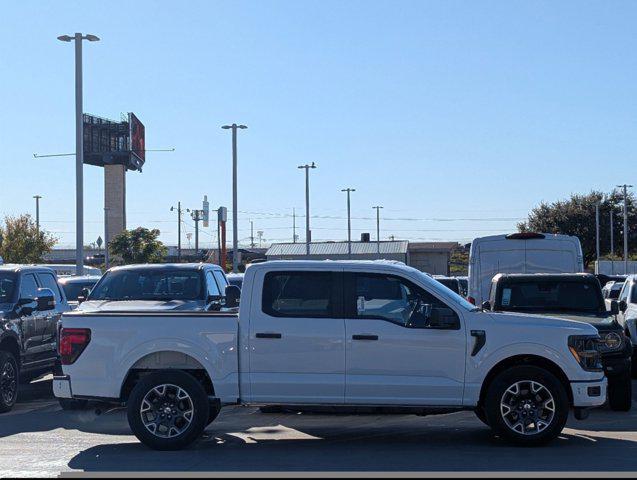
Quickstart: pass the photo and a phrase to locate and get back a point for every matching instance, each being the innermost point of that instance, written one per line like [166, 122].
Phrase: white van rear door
[494, 261]
[551, 256]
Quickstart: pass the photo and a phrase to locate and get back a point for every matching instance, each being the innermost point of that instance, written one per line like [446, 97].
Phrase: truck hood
[596, 320]
[140, 305]
[577, 326]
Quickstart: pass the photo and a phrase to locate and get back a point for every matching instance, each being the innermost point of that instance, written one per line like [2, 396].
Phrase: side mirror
[442, 319]
[233, 294]
[623, 306]
[45, 299]
[486, 305]
[614, 307]
[83, 295]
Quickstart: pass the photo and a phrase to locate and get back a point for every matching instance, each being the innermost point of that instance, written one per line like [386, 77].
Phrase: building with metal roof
[395, 250]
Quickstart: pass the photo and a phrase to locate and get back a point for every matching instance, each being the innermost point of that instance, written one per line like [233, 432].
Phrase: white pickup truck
[345, 334]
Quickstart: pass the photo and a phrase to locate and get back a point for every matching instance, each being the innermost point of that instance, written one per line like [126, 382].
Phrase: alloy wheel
[167, 411]
[527, 407]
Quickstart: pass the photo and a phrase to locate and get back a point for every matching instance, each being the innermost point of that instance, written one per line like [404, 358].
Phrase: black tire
[196, 403]
[525, 406]
[620, 392]
[481, 414]
[70, 404]
[9, 381]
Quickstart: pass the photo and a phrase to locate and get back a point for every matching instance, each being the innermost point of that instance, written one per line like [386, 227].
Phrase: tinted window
[450, 283]
[237, 281]
[48, 281]
[7, 287]
[396, 300]
[298, 294]
[213, 289]
[624, 293]
[550, 296]
[72, 290]
[221, 280]
[149, 285]
[28, 287]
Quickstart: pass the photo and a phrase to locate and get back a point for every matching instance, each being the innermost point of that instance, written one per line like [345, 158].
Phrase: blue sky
[457, 117]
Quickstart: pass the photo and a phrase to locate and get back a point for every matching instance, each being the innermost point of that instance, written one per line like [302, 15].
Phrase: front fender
[478, 367]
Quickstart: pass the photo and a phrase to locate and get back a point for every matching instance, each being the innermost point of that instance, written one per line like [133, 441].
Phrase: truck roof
[544, 276]
[165, 266]
[16, 267]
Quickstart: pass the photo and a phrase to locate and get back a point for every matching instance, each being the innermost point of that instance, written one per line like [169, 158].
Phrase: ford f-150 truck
[340, 334]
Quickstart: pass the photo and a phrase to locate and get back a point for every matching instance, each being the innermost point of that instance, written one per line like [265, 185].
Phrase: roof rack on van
[524, 236]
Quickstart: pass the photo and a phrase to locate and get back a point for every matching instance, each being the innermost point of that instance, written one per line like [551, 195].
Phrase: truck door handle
[364, 337]
[268, 335]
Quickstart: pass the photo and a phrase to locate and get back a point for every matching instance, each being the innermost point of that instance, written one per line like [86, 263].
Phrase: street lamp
[79, 149]
[37, 212]
[378, 207]
[235, 228]
[349, 222]
[308, 235]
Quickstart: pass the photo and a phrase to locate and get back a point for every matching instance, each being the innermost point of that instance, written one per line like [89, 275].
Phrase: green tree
[576, 216]
[20, 241]
[140, 245]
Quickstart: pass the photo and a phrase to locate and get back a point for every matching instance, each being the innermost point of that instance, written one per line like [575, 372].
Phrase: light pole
[178, 229]
[235, 228]
[37, 212]
[106, 239]
[378, 207]
[349, 222]
[197, 216]
[625, 189]
[308, 234]
[597, 230]
[79, 149]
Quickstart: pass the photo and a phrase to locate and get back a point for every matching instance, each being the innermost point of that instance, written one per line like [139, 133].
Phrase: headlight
[585, 349]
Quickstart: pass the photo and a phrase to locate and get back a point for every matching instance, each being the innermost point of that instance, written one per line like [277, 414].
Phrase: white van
[520, 253]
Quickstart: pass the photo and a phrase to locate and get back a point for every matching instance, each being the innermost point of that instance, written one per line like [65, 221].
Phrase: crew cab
[576, 297]
[31, 303]
[333, 333]
[157, 287]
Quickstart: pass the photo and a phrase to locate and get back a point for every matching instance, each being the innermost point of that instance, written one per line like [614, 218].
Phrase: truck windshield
[7, 287]
[149, 285]
[550, 296]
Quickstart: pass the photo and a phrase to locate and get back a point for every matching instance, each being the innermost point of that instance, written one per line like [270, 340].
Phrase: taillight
[73, 341]
[471, 300]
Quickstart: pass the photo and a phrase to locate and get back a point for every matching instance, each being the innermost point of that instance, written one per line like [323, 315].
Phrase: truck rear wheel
[527, 405]
[168, 410]
[9, 379]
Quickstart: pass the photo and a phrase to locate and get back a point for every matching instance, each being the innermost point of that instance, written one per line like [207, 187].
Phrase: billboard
[109, 142]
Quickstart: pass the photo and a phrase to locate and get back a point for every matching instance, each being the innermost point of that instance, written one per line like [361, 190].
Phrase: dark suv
[31, 302]
[573, 296]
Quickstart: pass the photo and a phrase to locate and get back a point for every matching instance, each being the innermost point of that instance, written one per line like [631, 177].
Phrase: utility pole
[612, 233]
[178, 230]
[197, 217]
[378, 207]
[625, 189]
[37, 212]
[349, 222]
[597, 230]
[106, 239]
[79, 149]
[251, 234]
[260, 235]
[308, 233]
[293, 225]
[235, 213]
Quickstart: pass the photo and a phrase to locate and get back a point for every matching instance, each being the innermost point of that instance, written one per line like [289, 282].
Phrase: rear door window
[298, 294]
[28, 287]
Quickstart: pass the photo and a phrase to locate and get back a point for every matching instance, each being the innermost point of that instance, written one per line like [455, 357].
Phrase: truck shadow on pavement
[243, 439]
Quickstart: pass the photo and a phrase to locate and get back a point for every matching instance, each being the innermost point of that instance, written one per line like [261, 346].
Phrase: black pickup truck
[31, 303]
[574, 296]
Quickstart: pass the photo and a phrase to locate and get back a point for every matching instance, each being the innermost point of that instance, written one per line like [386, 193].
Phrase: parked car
[628, 313]
[178, 286]
[527, 252]
[31, 303]
[70, 269]
[464, 286]
[451, 283]
[334, 333]
[235, 279]
[77, 287]
[604, 279]
[575, 297]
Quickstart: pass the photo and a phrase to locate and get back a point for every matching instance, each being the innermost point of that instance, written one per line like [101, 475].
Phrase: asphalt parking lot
[39, 439]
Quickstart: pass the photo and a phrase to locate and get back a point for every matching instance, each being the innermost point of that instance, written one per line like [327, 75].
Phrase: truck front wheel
[526, 405]
[9, 379]
[168, 410]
